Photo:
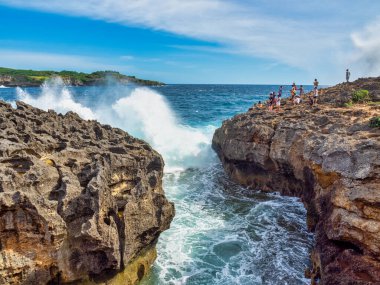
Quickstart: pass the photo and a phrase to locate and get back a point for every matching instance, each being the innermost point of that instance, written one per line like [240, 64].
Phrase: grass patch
[349, 104]
[38, 78]
[360, 96]
[375, 122]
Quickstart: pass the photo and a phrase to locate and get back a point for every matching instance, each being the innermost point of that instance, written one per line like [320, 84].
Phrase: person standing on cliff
[348, 74]
[301, 90]
[270, 101]
[278, 102]
[293, 92]
[294, 86]
[316, 83]
[315, 96]
[280, 92]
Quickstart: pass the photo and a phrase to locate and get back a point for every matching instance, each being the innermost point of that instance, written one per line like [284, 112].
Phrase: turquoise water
[222, 233]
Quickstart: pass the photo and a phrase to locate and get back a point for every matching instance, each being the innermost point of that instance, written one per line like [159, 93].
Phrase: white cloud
[236, 27]
[367, 52]
[40, 60]
[306, 34]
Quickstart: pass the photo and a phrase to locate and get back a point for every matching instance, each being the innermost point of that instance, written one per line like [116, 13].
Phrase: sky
[196, 41]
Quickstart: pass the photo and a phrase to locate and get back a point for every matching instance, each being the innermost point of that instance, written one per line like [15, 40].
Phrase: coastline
[327, 155]
[34, 78]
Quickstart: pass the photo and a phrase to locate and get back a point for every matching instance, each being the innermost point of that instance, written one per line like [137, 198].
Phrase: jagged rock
[330, 158]
[78, 200]
[342, 93]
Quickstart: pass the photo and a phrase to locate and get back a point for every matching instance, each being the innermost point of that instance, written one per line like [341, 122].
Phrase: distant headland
[32, 78]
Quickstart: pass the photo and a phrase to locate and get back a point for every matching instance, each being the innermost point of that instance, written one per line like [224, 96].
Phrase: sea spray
[147, 114]
[55, 95]
[140, 111]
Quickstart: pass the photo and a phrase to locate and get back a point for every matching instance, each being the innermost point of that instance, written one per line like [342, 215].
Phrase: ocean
[222, 233]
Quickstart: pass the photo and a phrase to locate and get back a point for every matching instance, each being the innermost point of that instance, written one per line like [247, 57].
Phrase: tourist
[316, 83]
[259, 105]
[278, 102]
[280, 92]
[315, 96]
[274, 101]
[348, 74]
[301, 90]
[297, 99]
[311, 100]
[270, 101]
[293, 91]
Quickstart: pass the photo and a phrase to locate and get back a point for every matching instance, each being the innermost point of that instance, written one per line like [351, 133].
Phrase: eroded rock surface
[330, 158]
[78, 200]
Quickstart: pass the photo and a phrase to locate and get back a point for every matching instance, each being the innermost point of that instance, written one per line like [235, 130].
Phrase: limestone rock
[78, 200]
[330, 158]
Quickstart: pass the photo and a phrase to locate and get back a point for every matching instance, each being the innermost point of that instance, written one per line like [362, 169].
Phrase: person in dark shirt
[301, 90]
[348, 74]
[316, 83]
[270, 101]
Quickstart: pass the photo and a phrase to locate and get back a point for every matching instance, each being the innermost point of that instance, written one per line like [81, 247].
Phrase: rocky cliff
[327, 155]
[80, 202]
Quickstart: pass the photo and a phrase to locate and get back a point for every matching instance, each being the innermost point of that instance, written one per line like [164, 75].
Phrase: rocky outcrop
[329, 157]
[79, 201]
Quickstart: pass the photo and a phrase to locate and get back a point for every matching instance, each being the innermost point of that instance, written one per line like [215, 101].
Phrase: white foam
[147, 114]
[55, 95]
[142, 112]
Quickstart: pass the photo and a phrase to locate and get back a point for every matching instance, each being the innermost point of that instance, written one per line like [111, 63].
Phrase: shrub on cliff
[360, 96]
[348, 104]
[375, 122]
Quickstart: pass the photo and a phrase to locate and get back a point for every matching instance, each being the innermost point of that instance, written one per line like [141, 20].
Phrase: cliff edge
[329, 156]
[80, 202]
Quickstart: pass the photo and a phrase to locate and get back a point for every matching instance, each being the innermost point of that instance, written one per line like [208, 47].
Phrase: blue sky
[195, 41]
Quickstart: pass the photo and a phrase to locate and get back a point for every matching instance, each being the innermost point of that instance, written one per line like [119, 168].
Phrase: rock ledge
[79, 201]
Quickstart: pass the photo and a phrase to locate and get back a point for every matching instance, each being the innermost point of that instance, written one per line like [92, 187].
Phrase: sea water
[222, 233]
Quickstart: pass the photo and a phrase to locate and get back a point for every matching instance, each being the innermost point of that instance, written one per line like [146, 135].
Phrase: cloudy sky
[196, 41]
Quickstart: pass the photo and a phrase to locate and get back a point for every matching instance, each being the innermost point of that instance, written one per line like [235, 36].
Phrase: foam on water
[222, 234]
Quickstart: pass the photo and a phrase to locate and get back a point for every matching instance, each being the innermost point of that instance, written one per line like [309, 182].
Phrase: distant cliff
[329, 156]
[80, 202]
[29, 78]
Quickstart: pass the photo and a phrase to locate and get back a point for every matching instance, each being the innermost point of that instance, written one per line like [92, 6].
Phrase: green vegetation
[349, 104]
[20, 77]
[360, 96]
[375, 122]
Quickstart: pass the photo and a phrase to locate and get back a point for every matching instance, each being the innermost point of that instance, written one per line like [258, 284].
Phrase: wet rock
[330, 158]
[78, 200]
